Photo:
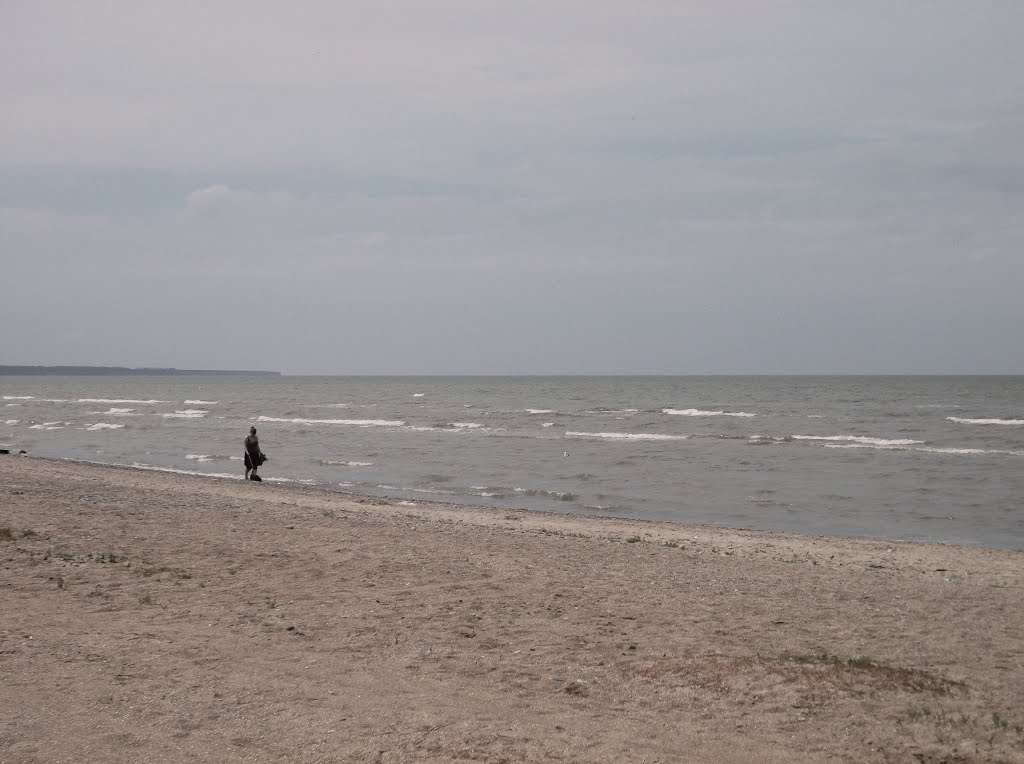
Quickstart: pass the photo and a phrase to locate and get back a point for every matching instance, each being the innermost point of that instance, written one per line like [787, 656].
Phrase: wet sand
[160, 617]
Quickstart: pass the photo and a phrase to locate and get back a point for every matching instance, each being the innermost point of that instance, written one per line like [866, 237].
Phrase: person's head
[252, 430]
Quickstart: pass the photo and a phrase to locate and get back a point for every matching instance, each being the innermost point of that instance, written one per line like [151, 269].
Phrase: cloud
[730, 186]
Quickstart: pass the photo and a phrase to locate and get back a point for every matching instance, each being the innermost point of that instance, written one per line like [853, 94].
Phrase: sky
[469, 187]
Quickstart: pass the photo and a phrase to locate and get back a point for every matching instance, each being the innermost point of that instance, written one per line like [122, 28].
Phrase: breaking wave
[962, 420]
[350, 422]
[624, 436]
[116, 400]
[859, 439]
[698, 412]
[186, 414]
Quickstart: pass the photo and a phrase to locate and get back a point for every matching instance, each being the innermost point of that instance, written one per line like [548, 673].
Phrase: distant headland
[112, 371]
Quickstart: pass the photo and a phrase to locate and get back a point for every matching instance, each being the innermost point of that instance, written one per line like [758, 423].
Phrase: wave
[115, 400]
[860, 439]
[605, 412]
[969, 451]
[12, 421]
[418, 395]
[624, 436]
[547, 424]
[542, 493]
[540, 411]
[48, 426]
[201, 403]
[962, 420]
[19, 397]
[186, 414]
[115, 412]
[931, 449]
[351, 422]
[173, 470]
[867, 445]
[698, 412]
[336, 463]
[104, 426]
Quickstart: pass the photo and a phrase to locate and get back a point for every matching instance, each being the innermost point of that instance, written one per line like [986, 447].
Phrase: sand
[164, 618]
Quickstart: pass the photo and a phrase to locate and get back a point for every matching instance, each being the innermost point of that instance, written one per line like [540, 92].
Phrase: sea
[938, 459]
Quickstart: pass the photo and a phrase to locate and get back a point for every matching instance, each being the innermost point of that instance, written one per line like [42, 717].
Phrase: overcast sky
[462, 186]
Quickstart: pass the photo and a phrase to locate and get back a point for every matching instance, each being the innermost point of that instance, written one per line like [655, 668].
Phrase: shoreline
[164, 617]
[348, 495]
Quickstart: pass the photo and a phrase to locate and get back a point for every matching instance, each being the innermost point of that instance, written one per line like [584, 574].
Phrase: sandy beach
[161, 617]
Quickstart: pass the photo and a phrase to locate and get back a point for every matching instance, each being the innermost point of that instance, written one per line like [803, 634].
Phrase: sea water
[920, 458]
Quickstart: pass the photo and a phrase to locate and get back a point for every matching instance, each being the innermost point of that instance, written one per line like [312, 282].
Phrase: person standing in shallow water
[253, 456]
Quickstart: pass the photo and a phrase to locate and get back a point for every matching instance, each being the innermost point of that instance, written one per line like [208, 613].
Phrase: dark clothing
[253, 456]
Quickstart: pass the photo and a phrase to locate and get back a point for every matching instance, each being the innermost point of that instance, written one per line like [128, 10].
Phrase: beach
[153, 616]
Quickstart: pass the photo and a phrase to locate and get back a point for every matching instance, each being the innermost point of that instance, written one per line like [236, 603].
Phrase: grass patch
[914, 680]
[822, 671]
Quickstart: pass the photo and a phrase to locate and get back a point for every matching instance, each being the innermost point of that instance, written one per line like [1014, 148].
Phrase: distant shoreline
[125, 371]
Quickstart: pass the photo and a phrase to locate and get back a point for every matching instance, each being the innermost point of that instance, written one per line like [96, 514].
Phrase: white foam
[418, 395]
[201, 403]
[12, 404]
[104, 426]
[624, 436]
[540, 411]
[606, 412]
[962, 420]
[335, 463]
[200, 457]
[866, 445]
[186, 414]
[969, 451]
[19, 397]
[47, 426]
[548, 424]
[115, 412]
[465, 425]
[151, 468]
[698, 412]
[860, 439]
[13, 421]
[352, 422]
[930, 449]
[116, 400]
